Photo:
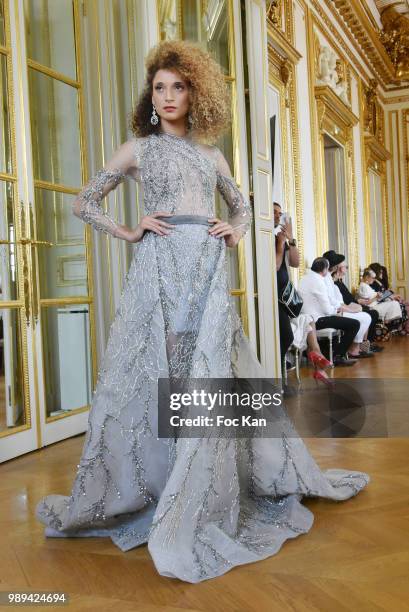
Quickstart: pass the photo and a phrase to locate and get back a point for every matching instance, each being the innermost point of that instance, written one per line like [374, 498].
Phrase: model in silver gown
[203, 505]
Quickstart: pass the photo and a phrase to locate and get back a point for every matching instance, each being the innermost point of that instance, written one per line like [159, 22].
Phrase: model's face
[170, 95]
[342, 270]
[277, 215]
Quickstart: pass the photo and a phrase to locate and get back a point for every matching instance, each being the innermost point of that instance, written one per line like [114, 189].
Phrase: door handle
[24, 240]
[28, 241]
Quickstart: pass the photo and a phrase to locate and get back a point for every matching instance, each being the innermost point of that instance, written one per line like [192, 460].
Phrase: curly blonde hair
[209, 107]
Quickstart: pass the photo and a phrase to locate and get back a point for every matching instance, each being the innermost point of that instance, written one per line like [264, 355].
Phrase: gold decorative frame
[40, 303]
[400, 118]
[282, 59]
[23, 303]
[328, 113]
[337, 120]
[374, 158]
[62, 262]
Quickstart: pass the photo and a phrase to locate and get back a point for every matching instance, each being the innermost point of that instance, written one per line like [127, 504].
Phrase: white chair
[330, 333]
[295, 351]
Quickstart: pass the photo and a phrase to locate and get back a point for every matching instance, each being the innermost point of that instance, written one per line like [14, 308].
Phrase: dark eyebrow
[175, 83]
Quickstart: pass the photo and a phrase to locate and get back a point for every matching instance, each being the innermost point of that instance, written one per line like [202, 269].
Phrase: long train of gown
[203, 506]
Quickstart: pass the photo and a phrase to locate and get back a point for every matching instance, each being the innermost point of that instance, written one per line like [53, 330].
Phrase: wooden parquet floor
[356, 556]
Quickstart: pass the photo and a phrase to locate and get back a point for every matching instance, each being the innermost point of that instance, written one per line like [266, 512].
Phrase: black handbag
[291, 300]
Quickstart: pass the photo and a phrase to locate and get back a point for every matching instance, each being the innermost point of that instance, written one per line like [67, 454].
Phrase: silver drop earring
[190, 120]
[154, 117]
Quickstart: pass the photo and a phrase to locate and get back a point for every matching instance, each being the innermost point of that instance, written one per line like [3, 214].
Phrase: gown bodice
[176, 174]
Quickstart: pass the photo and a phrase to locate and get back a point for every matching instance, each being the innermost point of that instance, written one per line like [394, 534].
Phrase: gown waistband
[179, 219]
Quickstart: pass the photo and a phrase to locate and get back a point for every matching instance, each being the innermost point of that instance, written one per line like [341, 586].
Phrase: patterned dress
[202, 505]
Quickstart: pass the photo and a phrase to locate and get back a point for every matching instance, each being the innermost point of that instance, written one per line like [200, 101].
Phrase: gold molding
[296, 162]
[41, 184]
[367, 42]
[61, 262]
[65, 301]
[12, 178]
[336, 119]
[332, 34]
[277, 39]
[278, 84]
[365, 178]
[396, 174]
[282, 76]
[351, 204]
[333, 114]
[395, 39]
[54, 74]
[405, 128]
[375, 153]
[22, 305]
[241, 255]
[397, 100]
[320, 225]
[274, 11]
[89, 299]
[373, 157]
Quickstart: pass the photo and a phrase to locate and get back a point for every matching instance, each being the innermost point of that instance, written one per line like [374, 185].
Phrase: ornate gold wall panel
[396, 122]
[374, 158]
[352, 18]
[282, 59]
[337, 120]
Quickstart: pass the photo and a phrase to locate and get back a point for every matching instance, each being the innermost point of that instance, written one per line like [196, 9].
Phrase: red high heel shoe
[319, 376]
[319, 360]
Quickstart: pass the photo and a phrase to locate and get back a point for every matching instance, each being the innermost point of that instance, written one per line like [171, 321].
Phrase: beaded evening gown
[203, 506]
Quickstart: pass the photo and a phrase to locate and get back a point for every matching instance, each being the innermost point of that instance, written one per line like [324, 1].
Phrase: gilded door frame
[29, 302]
[336, 120]
[24, 302]
[282, 76]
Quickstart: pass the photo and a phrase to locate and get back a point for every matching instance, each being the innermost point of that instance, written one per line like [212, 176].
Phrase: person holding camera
[287, 255]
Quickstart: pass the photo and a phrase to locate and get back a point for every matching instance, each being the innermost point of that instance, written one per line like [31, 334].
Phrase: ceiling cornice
[354, 20]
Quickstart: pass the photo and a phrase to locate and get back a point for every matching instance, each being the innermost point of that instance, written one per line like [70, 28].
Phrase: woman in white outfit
[359, 348]
[389, 310]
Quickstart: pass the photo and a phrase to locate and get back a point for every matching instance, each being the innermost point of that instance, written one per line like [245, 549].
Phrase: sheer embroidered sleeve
[87, 204]
[240, 213]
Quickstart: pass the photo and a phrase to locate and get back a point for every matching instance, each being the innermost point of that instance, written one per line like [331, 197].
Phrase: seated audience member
[359, 348]
[388, 309]
[381, 283]
[286, 255]
[313, 290]
[349, 299]
[378, 284]
[305, 338]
